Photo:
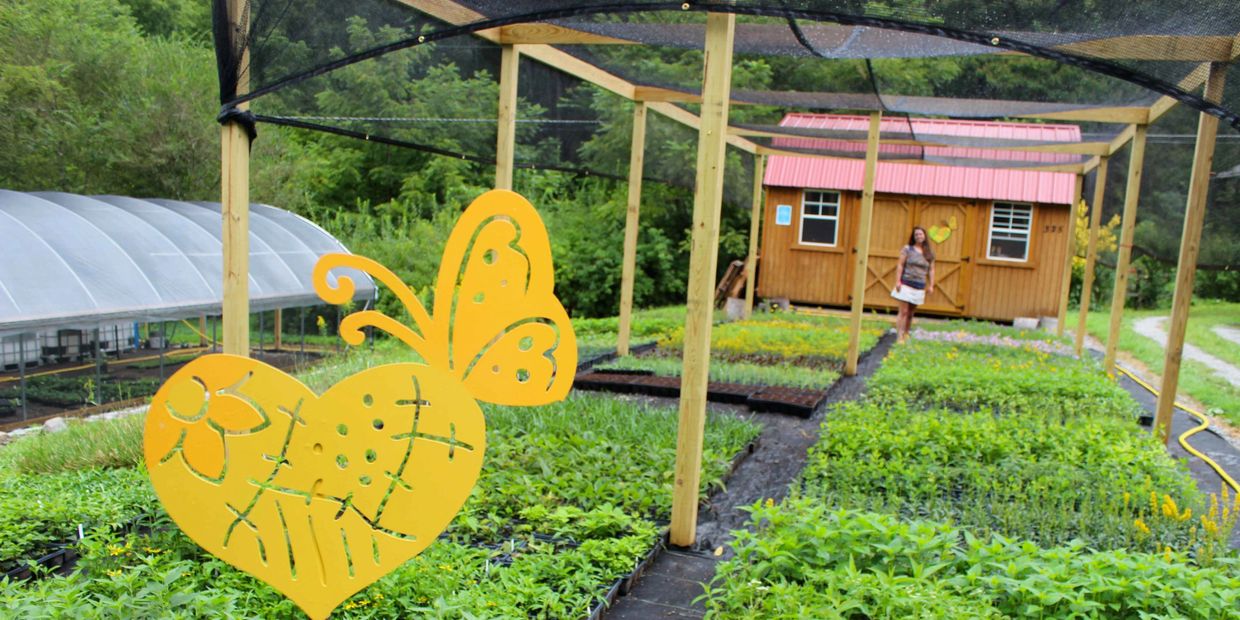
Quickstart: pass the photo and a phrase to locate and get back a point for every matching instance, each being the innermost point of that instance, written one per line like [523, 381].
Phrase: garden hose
[191, 327]
[1205, 423]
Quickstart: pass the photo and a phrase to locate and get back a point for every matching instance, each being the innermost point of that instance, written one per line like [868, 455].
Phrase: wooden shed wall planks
[969, 284]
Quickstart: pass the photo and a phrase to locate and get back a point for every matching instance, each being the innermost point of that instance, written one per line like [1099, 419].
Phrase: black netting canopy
[424, 75]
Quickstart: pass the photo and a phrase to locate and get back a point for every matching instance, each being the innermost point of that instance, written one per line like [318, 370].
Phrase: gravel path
[1152, 328]
[1227, 333]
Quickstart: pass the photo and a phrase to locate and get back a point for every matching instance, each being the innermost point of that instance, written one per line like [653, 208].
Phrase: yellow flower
[114, 572]
[1141, 527]
[770, 502]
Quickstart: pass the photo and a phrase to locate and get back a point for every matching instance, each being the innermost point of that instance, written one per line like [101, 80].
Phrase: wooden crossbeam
[1154, 47]
[1079, 148]
[551, 34]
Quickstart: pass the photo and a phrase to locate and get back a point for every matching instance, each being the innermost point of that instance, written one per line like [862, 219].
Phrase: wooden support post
[1132, 193]
[1065, 284]
[506, 136]
[863, 246]
[235, 211]
[628, 269]
[202, 330]
[755, 228]
[1091, 250]
[1190, 246]
[279, 329]
[703, 257]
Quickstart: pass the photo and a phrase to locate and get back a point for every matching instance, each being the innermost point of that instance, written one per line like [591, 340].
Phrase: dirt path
[1152, 328]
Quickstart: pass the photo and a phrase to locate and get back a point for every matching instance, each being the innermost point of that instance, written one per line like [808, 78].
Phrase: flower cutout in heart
[206, 414]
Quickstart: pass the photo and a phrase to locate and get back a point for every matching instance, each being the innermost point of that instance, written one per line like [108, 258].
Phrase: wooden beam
[1073, 168]
[1191, 82]
[1118, 114]
[1154, 47]
[1091, 252]
[579, 68]
[1091, 164]
[235, 212]
[551, 34]
[202, 331]
[863, 245]
[1065, 283]
[708, 198]
[755, 228]
[1132, 194]
[457, 15]
[655, 94]
[1122, 139]
[1190, 246]
[506, 134]
[637, 158]
[689, 119]
[1078, 148]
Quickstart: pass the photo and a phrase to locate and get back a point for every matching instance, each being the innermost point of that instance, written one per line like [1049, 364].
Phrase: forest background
[120, 97]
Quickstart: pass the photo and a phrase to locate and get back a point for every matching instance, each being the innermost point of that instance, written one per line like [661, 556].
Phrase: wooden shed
[1000, 234]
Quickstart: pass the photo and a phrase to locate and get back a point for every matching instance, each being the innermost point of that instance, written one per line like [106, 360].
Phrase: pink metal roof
[951, 181]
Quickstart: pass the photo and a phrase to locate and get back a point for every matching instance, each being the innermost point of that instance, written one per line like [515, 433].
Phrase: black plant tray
[794, 401]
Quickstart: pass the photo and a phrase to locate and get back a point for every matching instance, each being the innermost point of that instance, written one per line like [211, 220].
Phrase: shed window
[820, 215]
[1010, 224]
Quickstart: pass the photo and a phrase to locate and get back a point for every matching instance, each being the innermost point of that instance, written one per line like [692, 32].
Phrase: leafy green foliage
[103, 109]
[805, 340]
[745, 373]
[166, 575]
[38, 512]
[804, 560]
[1022, 475]
[1000, 379]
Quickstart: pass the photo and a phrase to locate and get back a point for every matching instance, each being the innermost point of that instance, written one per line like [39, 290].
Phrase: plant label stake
[320, 495]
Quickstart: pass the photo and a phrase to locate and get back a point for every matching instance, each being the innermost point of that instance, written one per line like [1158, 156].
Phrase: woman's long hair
[925, 248]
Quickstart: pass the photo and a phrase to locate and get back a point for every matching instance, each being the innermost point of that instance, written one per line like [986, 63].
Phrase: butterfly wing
[508, 339]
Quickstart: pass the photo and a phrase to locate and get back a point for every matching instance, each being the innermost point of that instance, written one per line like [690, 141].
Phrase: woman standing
[914, 279]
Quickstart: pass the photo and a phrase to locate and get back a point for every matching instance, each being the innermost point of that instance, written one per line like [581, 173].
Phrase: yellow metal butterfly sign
[320, 495]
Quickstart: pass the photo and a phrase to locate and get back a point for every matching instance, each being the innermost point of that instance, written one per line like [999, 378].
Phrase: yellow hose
[1205, 423]
[57, 371]
[195, 330]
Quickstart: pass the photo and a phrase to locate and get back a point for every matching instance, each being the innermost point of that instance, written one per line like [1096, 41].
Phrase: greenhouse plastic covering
[70, 260]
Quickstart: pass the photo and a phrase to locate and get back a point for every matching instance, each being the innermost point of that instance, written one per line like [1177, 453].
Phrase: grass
[81, 445]
[1219, 397]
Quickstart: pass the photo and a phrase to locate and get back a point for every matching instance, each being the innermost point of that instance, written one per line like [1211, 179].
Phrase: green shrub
[723, 371]
[997, 379]
[39, 512]
[804, 560]
[1014, 475]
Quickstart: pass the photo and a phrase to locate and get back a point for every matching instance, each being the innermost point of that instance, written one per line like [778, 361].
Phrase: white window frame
[821, 202]
[1013, 208]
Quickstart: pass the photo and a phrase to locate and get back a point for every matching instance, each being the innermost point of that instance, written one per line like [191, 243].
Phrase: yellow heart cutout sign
[317, 496]
[321, 495]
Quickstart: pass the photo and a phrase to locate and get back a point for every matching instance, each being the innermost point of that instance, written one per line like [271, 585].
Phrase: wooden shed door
[950, 218]
[893, 218]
